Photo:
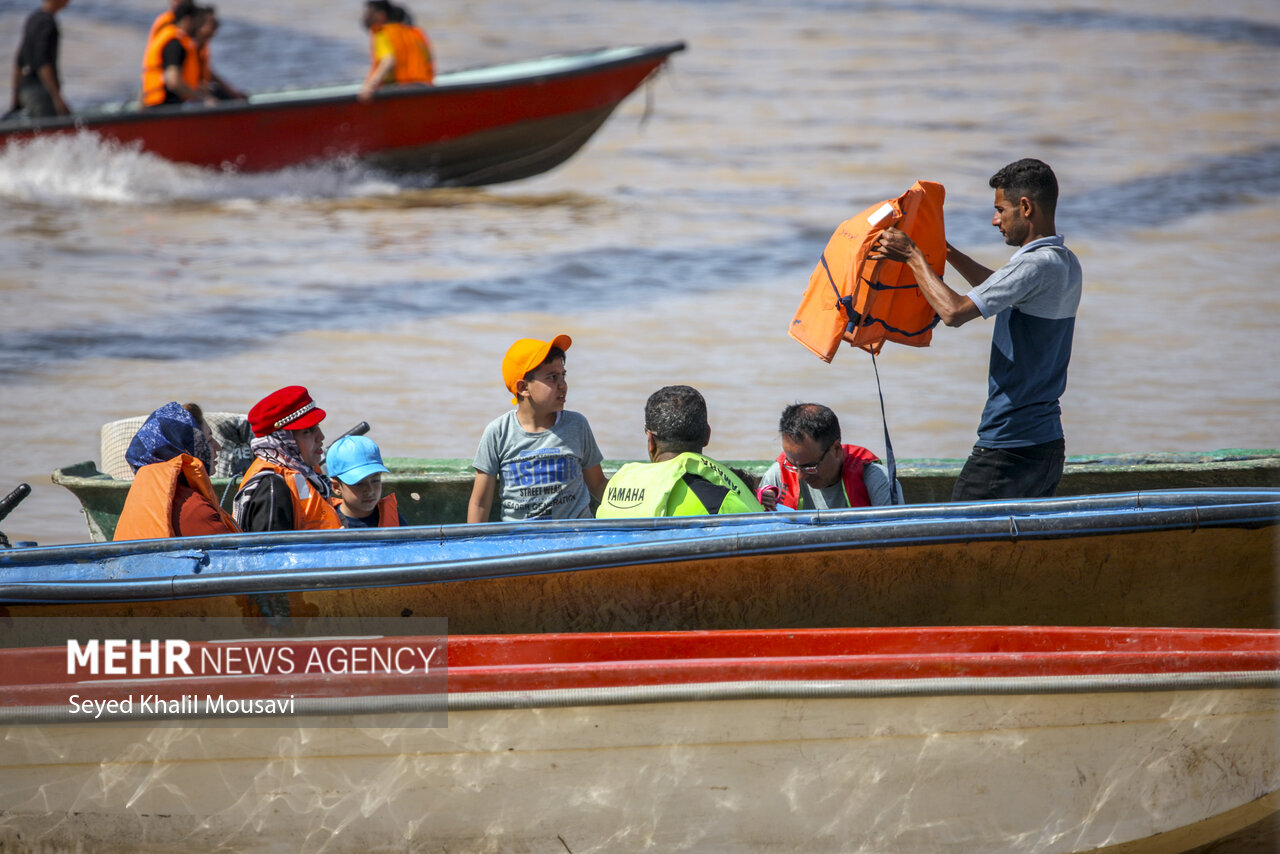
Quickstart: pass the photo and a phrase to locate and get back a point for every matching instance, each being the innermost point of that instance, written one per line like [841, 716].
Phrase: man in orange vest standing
[815, 471]
[171, 63]
[37, 89]
[1020, 451]
[399, 51]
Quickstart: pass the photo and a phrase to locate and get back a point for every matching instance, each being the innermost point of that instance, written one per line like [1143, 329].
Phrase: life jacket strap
[890, 463]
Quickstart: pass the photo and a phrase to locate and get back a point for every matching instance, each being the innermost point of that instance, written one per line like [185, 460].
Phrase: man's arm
[973, 272]
[17, 83]
[481, 497]
[375, 78]
[596, 481]
[50, 81]
[954, 309]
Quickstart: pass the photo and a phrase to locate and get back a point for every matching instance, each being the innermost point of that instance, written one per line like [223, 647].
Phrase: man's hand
[893, 245]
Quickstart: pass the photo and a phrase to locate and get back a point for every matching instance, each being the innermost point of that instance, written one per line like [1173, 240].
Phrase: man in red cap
[283, 489]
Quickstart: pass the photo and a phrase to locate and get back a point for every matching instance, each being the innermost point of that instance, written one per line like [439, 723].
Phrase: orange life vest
[148, 508]
[856, 458]
[162, 20]
[153, 88]
[852, 298]
[387, 507]
[412, 52]
[311, 510]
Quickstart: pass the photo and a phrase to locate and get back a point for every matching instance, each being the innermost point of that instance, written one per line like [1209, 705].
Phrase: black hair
[552, 354]
[676, 415]
[814, 421]
[185, 9]
[1030, 178]
[383, 6]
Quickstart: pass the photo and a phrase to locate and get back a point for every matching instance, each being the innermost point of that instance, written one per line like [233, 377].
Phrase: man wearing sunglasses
[816, 472]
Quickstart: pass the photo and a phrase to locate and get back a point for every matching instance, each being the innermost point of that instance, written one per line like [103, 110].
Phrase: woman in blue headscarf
[171, 494]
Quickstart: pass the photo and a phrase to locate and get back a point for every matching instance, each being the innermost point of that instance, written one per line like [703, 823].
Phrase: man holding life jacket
[356, 467]
[1020, 450]
[816, 472]
[37, 88]
[283, 489]
[171, 495]
[678, 480]
[171, 62]
[399, 51]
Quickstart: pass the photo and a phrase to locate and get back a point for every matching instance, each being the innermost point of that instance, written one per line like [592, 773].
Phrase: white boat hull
[1020, 765]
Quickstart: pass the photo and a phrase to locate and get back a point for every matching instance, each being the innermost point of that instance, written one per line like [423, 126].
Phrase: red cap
[289, 408]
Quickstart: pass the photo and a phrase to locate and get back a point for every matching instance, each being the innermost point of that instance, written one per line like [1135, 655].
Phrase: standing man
[1020, 450]
[36, 87]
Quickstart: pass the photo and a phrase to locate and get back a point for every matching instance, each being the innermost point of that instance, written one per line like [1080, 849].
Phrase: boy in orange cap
[543, 457]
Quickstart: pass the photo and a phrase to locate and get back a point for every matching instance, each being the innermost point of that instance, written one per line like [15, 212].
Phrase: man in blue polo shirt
[1020, 450]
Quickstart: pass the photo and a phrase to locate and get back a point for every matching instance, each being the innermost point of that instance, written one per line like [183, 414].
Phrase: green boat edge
[436, 491]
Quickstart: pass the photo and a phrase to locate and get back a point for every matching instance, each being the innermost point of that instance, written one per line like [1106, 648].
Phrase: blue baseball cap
[353, 458]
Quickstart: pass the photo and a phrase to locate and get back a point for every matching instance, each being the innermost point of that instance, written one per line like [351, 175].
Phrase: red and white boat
[474, 126]
[898, 740]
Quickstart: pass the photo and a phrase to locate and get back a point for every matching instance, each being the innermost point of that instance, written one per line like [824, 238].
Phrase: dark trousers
[1029, 472]
[35, 100]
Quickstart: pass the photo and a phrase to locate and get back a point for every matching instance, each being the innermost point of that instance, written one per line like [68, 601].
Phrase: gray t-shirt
[539, 474]
[874, 476]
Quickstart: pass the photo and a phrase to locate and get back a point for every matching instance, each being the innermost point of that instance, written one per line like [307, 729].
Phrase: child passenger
[355, 464]
[544, 456]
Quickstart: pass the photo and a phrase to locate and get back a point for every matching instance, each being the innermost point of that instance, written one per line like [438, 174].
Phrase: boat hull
[436, 492]
[1116, 745]
[481, 126]
[1158, 559]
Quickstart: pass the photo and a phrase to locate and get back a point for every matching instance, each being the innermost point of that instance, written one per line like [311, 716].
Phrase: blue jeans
[1028, 472]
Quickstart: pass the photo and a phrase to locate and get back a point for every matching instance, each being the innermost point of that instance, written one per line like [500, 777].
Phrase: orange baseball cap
[525, 355]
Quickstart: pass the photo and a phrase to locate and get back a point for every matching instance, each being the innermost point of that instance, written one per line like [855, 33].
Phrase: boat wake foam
[57, 170]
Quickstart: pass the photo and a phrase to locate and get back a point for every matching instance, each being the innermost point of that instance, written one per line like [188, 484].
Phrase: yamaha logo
[625, 497]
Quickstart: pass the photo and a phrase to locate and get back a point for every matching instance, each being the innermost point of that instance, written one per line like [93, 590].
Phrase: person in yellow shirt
[399, 51]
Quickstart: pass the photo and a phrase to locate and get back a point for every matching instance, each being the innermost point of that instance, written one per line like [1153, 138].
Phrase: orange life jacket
[412, 52]
[388, 510]
[162, 20]
[311, 510]
[855, 459]
[148, 508]
[852, 298]
[153, 88]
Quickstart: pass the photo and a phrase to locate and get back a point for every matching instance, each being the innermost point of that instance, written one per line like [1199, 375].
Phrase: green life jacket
[641, 490]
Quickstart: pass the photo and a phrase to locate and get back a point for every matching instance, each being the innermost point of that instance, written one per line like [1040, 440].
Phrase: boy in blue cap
[355, 464]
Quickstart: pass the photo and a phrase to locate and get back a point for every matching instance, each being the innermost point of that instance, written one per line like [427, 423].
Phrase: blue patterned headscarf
[167, 432]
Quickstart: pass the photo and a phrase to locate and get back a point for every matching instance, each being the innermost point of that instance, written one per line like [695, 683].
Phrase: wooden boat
[1190, 558]
[436, 492]
[904, 740]
[474, 126]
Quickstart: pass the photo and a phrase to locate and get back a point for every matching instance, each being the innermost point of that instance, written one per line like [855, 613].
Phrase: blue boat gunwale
[279, 101]
[180, 568]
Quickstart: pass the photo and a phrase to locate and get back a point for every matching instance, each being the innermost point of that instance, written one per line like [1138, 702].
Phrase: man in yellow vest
[678, 480]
